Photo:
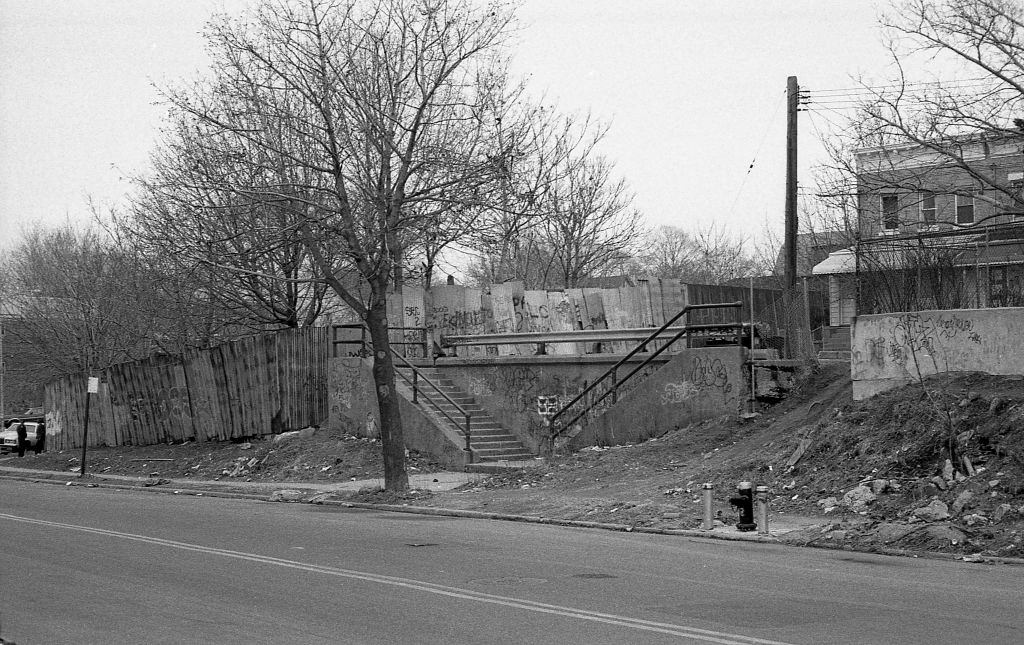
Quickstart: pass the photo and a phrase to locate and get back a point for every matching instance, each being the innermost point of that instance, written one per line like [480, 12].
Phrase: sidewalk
[779, 526]
[434, 482]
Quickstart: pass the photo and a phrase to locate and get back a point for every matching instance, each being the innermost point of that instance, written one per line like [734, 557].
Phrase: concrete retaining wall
[890, 350]
[353, 408]
[695, 385]
[509, 386]
[690, 386]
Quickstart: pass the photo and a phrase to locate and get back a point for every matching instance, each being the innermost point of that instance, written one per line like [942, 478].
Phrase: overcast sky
[694, 92]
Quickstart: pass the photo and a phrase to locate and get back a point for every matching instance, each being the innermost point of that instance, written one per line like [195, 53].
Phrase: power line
[895, 85]
[743, 183]
[857, 97]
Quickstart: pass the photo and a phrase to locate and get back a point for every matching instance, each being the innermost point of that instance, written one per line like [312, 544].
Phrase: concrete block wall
[889, 350]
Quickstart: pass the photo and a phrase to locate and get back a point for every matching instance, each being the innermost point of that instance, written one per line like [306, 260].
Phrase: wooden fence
[245, 388]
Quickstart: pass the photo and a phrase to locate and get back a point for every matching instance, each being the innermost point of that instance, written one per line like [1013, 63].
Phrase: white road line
[709, 636]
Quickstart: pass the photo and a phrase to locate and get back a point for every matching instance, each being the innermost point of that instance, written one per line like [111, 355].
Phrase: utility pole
[792, 105]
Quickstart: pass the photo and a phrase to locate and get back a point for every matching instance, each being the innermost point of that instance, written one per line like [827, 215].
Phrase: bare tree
[706, 256]
[545, 156]
[591, 225]
[79, 302]
[943, 119]
[244, 254]
[350, 126]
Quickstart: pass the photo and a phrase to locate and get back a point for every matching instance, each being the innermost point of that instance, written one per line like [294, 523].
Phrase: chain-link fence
[787, 323]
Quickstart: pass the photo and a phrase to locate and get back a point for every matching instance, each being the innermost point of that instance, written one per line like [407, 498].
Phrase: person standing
[22, 438]
[40, 438]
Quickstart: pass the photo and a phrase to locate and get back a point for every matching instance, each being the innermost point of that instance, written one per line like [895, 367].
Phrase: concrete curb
[534, 519]
[162, 488]
[72, 480]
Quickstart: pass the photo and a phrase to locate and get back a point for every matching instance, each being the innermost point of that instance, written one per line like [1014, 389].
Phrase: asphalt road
[87, 565]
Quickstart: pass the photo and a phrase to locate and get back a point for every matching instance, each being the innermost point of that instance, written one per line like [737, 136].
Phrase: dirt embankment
[872, 474]
[323, 456]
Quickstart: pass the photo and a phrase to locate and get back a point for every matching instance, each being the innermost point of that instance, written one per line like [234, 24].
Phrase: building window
[928, 208]
[1016, 199]
[997, 295]
[890, 212]
[965, 209]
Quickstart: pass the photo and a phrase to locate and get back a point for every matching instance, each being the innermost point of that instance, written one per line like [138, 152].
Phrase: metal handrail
[572, 336]
[422, 331]
[616, 384]
[413, 382]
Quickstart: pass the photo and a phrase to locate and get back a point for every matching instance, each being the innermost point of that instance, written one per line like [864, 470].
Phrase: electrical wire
[764, 137]
[853, 98]
[896, 86]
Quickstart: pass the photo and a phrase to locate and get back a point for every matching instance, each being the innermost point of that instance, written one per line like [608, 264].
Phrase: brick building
[935, 230]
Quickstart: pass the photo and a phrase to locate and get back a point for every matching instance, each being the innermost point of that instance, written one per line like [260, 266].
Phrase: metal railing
[705, 331]
[420, 342]
[555, 429]
[414, 383]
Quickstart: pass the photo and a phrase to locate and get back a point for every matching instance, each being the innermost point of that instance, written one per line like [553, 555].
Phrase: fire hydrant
[744, 501]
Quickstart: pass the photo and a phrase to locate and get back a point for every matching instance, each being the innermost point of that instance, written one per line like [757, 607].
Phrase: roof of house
[812, 248]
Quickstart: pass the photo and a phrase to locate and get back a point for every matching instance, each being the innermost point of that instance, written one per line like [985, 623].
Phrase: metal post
[762, 509]
[85, 433]
[415, 384]
[807, 318]
[3, 406]
[469, 452]
[709, 520]
[753, 384]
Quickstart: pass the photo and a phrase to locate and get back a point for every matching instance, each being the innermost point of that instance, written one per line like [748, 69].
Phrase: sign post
[92, 388]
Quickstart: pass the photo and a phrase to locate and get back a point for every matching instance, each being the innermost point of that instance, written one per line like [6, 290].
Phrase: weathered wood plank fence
[249, 387]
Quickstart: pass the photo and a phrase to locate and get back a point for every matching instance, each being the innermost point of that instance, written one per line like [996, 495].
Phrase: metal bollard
[762, 509]
[709, 520]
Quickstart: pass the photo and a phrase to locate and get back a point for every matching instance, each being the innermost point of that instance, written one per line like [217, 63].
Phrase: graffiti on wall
[348, 386]
[547, 406]
[520, 384]
[169, 402]
[477, 386]
[707, 375]
[914, 336]
[459, 321]
[710, 374]
[676, 393]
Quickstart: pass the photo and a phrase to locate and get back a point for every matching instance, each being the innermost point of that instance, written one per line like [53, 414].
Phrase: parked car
[9, 435]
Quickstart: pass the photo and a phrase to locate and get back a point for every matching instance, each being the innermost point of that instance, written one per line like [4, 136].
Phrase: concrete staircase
[836, 345]
[488, 440]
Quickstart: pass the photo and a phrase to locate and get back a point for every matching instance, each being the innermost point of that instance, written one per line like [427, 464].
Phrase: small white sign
[94, 385]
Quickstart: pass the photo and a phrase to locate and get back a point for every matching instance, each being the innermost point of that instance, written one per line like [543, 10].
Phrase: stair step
[504, 453]
[523, 456]
[488, 440]
[473, 409]
[495, 445]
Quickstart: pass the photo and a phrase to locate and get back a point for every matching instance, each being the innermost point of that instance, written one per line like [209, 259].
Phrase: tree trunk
[392, 441]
